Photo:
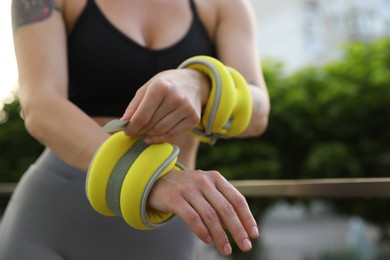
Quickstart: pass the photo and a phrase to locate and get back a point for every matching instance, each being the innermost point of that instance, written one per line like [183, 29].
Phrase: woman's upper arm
[236, 39]
[40, 47]
[236, 42]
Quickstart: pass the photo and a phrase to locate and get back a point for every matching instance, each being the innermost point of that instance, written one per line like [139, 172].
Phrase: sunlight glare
[8, 68]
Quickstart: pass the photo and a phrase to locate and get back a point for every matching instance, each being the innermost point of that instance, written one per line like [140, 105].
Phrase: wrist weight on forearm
[124, 169]
[121, 175]
[229, 108]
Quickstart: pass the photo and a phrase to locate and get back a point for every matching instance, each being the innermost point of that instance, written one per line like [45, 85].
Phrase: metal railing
[7, 188]
[324, 188]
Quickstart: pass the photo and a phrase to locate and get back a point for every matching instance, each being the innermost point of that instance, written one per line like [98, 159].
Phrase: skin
[204, 199]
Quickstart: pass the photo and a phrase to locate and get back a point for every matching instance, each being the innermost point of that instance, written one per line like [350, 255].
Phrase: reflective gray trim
[218, 91]
[181, 166]
[89, 169]
[115, 126]
[149, 186]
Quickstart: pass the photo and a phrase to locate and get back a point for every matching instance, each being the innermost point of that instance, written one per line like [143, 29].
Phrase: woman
[84, 62]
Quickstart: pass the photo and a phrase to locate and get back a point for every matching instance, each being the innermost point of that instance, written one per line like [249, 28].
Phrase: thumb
[134, 104]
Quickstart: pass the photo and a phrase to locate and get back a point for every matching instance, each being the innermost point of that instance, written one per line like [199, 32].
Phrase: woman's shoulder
[223, 9]
[213, 13]
[220, 5]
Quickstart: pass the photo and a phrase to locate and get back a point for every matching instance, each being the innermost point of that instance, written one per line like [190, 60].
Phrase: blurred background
[327, 69]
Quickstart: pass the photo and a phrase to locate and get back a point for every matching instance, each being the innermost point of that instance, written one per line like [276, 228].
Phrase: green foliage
[335, 121]
[18, 150]
[327, 122]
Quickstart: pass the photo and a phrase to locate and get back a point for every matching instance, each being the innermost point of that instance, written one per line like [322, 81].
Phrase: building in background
[312, 32]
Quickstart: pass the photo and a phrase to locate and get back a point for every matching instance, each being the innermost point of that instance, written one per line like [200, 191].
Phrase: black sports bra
[106, 67]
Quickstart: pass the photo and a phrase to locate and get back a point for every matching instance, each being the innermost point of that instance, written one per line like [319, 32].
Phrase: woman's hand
[208, 203]
[168, 104]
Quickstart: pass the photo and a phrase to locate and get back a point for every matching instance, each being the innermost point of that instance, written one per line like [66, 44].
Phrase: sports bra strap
[193, 8]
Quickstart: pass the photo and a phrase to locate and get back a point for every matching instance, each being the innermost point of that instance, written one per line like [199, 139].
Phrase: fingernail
[255, 231]
[227, 249]
[247, 244]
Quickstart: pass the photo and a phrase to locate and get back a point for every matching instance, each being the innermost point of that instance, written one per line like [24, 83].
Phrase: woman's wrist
[84, 156]
[203, 82]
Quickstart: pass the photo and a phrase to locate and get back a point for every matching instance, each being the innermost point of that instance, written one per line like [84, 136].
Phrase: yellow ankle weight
[229, 108]
[121, 175]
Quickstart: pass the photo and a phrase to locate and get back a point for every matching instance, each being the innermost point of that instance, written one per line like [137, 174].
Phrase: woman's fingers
[221, 206]
[194, 221]
[169, 127]
[144, 112]
[210, 217]
[209, 205]
[173, 116]
[230, 219]
[240, 205]
[227, 210]
[132, 107]
[161, 104]
[232, 209]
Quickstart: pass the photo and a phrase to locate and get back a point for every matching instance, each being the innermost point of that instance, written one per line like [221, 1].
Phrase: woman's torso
[152, 27]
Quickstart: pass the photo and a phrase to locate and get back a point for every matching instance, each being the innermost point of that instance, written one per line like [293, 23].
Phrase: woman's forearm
[260, 112]
[62, 127]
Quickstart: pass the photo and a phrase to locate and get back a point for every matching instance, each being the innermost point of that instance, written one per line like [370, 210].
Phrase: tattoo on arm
[31, 11]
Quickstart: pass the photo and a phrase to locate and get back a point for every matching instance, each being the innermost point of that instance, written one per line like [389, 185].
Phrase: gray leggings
[49, 218]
